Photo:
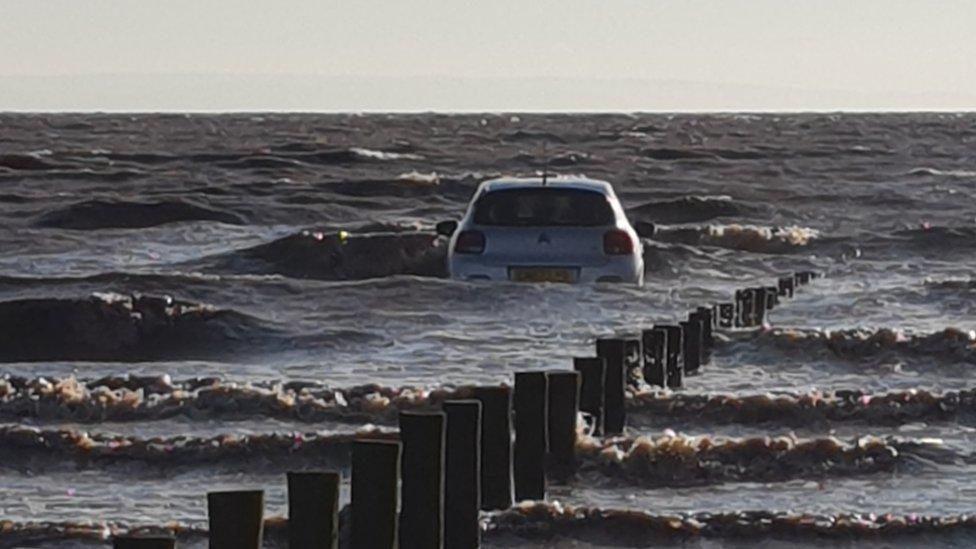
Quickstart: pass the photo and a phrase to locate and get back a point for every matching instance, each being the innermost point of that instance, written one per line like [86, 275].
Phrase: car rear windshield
[543, 207]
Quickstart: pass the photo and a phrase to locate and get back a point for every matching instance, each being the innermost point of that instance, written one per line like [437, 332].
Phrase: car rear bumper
[619, 269]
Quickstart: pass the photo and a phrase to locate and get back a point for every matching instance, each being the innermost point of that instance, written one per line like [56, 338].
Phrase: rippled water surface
[238, 217]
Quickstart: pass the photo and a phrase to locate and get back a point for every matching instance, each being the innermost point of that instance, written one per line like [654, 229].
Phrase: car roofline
[562, 182]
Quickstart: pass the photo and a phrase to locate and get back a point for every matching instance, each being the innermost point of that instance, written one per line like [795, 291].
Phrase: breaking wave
[937, 239]
[114, 327]
[21, 444]
[100, 214]
[679, 460]
[805, 409]
[27, 162]
[135, 398]
[948, 345]
[147, 398]
[964, 174]
[342, 256]
[691, 209]
[771, 240]
[952, 284]
[535, 520]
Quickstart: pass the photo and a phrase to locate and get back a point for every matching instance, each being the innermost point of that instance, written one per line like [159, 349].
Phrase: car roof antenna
[545, 165]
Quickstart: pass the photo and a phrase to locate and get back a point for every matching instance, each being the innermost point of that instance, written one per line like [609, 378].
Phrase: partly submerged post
[313, 510]
[691, 335]
[786, 286]
[422, 480]
[140, 542]
[563, 409]
[656, 356]
[614, 384]
[746, 300]
[236, 519]
[375, 489]
[592, 373]
[759, 306]
[496, 447]
[675, 342]
[707, 314]
[772, 297]
[726, 315]
[632, 361]
[462, 474]
[531, 405]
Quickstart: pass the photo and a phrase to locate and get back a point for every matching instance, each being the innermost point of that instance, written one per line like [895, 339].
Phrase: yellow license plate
[542, 275]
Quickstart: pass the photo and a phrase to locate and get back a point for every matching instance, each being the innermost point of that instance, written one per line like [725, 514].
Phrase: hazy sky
[623, 54]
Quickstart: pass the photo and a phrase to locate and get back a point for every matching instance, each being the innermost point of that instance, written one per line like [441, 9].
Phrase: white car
[564, 229]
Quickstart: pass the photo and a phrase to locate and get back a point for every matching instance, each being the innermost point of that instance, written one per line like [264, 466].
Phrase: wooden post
[236, 519]
[675, 369]
[786, 286]
[496, 447]
[632, 361]
[726, 315]
[563, 409]
[313, 510]
[772, 297]
[531, 404]
[422, 473]
[747, 307]
[655, 357]
[462, 474]
[375, 489]
[592, 373]
[707, 314]
[759, 306]
[691, 335]
[140, 542]
[614, 384]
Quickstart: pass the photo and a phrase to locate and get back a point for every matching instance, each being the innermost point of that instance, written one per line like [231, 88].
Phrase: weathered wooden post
[759, 306]
[772, 297]
[656, 357]
[496, 447]
[530, 405]
[422, 473]
[632, 361]
[143, 542]
[691, 335]
[786, 286]
[707, 314]
[745, 303]
[675, 343]
[236, 519]
[313, 510]
[614, 384]
[726, 315]
[804, 277]
[592, 373]
[462, 474]
[375, 493]
[563, 409]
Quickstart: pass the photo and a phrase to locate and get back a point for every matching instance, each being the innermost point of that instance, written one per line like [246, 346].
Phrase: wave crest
[117, 327]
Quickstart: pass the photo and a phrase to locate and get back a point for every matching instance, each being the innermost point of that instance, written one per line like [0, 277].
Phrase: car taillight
[469, 242]
[617, 242]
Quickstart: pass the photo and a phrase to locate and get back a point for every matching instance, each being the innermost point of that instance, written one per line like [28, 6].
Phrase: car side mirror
[446, 228]
[644, 229]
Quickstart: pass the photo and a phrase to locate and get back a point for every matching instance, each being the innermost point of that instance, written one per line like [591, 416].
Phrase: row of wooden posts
[426, 490]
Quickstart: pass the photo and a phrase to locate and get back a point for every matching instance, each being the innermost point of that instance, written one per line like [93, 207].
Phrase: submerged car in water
[565, 229]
